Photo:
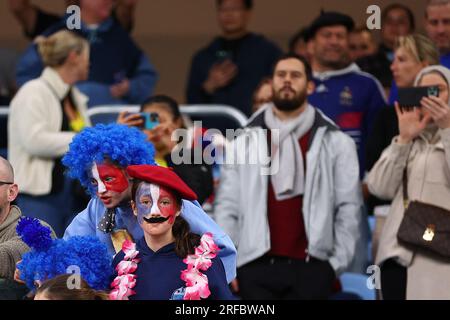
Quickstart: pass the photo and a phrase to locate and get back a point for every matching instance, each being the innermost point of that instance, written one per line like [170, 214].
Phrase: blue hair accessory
[34, 234]
[50, 258]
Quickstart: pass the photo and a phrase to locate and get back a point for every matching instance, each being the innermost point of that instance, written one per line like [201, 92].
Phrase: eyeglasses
[3, 182]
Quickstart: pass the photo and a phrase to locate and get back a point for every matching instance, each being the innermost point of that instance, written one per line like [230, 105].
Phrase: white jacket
[332, 203]
[34, 130]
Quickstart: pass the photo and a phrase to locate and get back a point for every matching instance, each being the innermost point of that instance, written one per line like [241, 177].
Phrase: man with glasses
[230, 68]
[11, 246]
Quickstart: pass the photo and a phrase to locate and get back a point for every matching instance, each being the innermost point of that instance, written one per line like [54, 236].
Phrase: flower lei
[125, 281]
[196, 282]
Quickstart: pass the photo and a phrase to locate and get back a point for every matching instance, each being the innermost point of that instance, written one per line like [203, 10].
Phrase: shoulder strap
[405, 180]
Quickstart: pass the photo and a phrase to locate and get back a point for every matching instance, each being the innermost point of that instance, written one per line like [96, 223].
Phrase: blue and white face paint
[155, 204]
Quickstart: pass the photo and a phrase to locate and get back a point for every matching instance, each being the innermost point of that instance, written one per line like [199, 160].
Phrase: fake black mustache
[156, 219]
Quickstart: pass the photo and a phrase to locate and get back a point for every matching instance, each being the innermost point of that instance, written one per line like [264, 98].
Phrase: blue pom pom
[34, 234]
[87, 254]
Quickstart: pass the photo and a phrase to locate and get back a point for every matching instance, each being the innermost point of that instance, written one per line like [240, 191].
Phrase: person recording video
[415, 167]
[158, 118]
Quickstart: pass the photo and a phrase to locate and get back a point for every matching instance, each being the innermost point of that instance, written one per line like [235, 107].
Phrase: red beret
[163, 177]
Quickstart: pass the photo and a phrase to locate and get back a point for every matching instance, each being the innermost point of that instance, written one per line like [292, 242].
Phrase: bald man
[11, 247]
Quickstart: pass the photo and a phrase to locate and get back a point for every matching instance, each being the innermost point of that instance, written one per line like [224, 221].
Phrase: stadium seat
[357, 284]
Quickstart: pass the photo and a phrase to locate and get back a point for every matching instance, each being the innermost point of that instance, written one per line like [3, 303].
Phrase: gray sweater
[11, 246]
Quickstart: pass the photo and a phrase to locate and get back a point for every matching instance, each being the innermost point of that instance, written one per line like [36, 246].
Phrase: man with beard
[295, 228]
[348, 96]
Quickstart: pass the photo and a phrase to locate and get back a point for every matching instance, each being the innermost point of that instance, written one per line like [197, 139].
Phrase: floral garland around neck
[196, 282]
[125, 281]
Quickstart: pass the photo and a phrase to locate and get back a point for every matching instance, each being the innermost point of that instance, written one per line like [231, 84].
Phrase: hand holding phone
[220, 75]
[412, 96]
[150, 120]
[130, 119]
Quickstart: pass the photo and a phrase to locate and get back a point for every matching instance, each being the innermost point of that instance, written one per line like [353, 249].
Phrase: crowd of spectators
[327, 115]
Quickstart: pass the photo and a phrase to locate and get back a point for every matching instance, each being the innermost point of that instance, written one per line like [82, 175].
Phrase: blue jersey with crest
[352, 99]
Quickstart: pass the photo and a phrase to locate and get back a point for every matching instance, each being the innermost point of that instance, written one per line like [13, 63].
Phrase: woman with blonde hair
[44, 116]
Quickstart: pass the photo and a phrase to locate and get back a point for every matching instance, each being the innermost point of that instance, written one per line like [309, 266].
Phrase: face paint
[154, 202]
[100, 186]
[109, 178]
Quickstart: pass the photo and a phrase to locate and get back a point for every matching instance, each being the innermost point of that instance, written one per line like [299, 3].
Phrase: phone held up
[151, 120]
[222, 55]
[410, 97]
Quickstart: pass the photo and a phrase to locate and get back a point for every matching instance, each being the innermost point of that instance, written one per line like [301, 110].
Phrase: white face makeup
[154, 191]
[100, 185]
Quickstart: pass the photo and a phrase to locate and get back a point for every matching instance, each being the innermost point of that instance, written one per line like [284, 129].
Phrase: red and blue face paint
[109, 178]
[155, 204]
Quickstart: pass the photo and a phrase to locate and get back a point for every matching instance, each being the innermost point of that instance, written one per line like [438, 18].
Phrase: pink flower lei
[125, 281]
[196, 282]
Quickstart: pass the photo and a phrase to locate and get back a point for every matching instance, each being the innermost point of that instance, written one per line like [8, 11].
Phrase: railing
[214, 116]
[220, 117]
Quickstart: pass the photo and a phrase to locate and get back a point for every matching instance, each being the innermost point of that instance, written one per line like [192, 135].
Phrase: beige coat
[429, 182]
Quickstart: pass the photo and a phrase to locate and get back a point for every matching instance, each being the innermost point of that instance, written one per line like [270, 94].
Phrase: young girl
[57, 289]
[169, 262]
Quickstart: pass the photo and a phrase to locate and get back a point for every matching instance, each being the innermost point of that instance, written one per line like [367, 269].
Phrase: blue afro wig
[86, 254]
[121, 144]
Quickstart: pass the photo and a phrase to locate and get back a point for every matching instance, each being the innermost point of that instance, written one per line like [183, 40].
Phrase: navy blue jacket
[254, 58]
[158, 274]
[352, 99]
[113, 56]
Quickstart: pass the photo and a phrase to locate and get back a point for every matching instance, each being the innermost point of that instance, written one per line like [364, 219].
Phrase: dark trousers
[393, 280]
[277, 278]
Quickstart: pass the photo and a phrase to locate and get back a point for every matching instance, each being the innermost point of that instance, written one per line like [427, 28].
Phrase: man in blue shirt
[97, 158]
[230, 68]
[350, 97]
[437, 25]
[120, 72]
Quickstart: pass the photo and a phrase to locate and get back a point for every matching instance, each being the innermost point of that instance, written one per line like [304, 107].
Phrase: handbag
[424, 226]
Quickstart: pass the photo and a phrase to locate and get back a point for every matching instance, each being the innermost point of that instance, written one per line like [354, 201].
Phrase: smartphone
[410, 97]
[222, 55]
[151, 120]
